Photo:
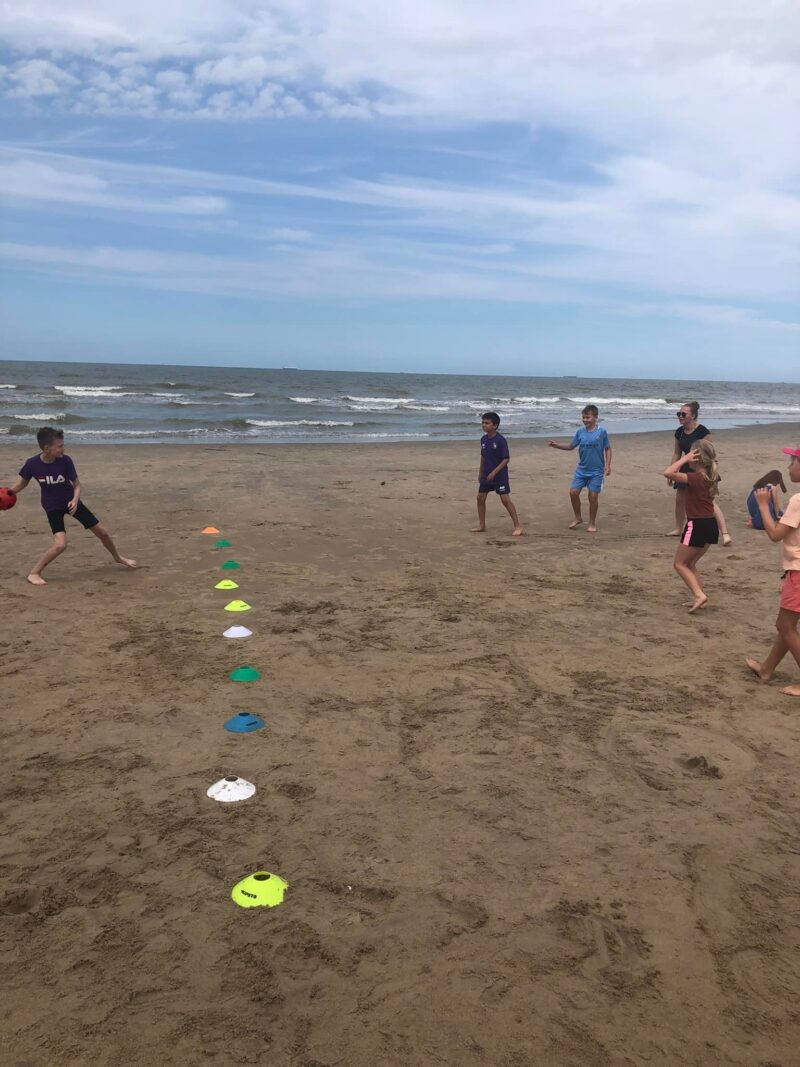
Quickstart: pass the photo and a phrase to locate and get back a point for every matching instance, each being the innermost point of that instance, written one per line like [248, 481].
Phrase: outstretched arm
[19, 485]
[564, 448]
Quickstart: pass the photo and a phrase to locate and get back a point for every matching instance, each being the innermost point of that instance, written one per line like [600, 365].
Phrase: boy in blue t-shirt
[493, 472]
[594, 450]
[61, 496]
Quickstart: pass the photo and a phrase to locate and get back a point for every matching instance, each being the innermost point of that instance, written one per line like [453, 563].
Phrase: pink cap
[792, 452]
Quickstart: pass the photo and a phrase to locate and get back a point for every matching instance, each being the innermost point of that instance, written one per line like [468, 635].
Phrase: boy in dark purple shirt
[61, 496]
[493, 472]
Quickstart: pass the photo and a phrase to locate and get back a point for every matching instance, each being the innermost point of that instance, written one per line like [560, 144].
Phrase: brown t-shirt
[699, 502]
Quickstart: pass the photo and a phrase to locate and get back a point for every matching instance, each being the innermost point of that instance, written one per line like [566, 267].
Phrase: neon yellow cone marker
[226, 583]
[237, 605]
[259, 890]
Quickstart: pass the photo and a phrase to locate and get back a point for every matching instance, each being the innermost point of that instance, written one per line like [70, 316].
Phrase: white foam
[764, 409]
[8, 387]
[38, 416]
[382, 400]
[376, 435]
[92, 392]
[245, 395]
[293, 422]
[305, 400]
[643, 402]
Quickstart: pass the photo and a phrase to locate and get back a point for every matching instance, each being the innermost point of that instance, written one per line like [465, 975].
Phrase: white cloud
[38, 181]
[38, 77]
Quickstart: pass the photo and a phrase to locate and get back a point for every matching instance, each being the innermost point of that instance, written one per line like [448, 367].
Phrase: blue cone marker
[244, 723]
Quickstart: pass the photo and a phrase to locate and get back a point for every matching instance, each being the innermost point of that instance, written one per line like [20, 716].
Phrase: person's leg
[787, 639]
[787, 629]
[594, 501]
[723, 526]
[575, 500]
[680, 513]
[102, 534]
[508, 504]
[481, 513]
[59, 546]
[685, 563]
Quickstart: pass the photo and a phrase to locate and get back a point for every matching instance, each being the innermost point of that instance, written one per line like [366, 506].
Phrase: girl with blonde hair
[701, 529]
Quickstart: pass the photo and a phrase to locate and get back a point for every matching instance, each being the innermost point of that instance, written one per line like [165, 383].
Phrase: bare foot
[791, 690]
[727, 540]
[36, 579]
[478, 529]
[698, 604]
[518, 531]
[674, 533]
[755, 667]
[129, 563]
[591, 528]
[575, 524]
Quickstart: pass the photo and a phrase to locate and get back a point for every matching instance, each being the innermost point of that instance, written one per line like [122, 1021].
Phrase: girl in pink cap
[786, 530]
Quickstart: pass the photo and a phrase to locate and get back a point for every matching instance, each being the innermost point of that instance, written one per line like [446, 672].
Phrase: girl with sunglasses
[687, 435]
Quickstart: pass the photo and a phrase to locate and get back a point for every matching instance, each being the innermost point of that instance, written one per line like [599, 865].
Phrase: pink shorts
[790, 592]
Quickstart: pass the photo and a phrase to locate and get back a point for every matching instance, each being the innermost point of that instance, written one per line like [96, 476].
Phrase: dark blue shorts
[496, 486]
[82, 514]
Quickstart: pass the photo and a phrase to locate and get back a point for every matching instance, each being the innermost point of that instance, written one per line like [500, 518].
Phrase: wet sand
[531, 812]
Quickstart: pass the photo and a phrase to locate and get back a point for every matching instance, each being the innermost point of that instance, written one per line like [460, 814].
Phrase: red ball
[8, 499]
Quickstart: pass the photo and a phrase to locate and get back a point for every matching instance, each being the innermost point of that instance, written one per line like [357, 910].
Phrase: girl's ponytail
[708, 458]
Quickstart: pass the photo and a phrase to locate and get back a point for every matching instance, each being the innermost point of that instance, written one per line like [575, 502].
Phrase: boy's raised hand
[763, 495]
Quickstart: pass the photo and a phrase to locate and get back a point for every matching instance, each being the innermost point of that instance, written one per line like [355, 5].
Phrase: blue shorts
[593, 481]
[496, 486]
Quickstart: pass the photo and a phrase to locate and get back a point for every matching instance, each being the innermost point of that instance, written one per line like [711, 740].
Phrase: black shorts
[496, 486]
[82, 514]
[697, 533]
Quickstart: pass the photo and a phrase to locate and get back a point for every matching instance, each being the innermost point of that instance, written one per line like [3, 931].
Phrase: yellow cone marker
[259, 890]
[237, 605]
[226, 583]
[210, 530]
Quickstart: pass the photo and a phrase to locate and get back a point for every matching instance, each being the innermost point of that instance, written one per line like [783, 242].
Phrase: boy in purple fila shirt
[61, 496]
[493, 472]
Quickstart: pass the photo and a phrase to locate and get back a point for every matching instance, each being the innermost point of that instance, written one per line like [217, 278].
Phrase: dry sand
[532, 812]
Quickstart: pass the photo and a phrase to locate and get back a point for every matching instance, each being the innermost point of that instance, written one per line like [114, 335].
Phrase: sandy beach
[531, 811]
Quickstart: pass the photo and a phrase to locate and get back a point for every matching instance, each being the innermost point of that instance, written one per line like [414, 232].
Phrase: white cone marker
[237, 631]
[231, 788]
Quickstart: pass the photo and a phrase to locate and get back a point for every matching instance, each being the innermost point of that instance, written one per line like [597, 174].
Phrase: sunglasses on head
[682, 414]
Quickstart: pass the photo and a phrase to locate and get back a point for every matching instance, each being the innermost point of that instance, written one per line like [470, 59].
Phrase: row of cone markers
[262, 889]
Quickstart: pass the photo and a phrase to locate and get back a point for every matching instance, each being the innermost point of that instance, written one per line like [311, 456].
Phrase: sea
[125, 404]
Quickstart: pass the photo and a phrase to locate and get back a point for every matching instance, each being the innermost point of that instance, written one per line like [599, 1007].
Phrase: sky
[442, 185]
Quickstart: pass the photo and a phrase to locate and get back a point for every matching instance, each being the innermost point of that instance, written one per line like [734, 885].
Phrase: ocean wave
[40, 417]
[269, 423]
[93, 392]
[361, 436]
[8, 387]
[244, 395]
[381, 400]
[305, 400]
[645, 402]
[764, 409]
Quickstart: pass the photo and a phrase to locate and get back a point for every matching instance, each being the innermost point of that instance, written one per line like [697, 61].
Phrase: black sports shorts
[82, 514]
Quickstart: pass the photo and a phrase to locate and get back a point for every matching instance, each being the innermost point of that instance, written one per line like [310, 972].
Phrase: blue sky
[448, 186]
